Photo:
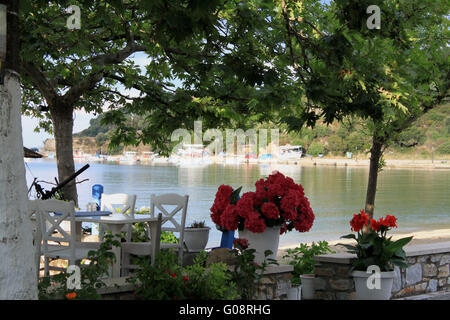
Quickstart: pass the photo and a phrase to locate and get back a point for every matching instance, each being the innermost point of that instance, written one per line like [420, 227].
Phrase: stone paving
[439, 295]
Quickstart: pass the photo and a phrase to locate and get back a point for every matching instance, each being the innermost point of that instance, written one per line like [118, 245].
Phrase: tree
[18, 278]
[388, 77]
[65, 68]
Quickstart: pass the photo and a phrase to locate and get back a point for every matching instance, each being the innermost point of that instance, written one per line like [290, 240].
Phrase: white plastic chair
[37, 236]
[181, 203]
[58, 243]
[150, 248]
[119, 203]
[158, 203]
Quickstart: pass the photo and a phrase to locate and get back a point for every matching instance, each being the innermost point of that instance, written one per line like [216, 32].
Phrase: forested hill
[428, 136]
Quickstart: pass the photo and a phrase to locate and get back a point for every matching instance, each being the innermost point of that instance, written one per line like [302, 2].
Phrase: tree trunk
[62, 118]
[18, 277]
[375, 155]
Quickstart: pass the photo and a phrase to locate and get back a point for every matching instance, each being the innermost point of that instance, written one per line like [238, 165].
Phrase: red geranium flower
[229, 218]
[270, 210]
[255, 223]
[243, 243]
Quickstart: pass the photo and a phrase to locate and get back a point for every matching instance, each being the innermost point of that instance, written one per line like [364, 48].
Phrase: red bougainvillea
[277, 201]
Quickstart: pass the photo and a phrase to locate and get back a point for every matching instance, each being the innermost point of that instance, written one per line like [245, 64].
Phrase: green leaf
[349, 236]
[396, 245]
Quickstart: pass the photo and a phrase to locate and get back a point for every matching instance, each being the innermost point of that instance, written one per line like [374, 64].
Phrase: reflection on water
[419, 198]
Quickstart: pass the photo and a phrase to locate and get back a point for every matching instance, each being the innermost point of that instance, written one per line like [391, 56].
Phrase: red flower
[270, 210]
[359, 220]
[255, 223]
[289, 201]
[276, 178]
[221, 202]
[186, 278]
[390, 221]
[245, 204]
[173, 275]
[229, 218]
[275, 190]
[71, 295]
[375, 225]
[242, 243]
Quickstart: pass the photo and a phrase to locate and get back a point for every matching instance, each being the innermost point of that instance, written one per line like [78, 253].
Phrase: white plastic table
[81, 214]
[115, 223]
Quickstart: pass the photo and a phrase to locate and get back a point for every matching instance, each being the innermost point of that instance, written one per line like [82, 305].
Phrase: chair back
[119, 203]
[170, 199]
[50, 224]
[33, 211]
[180, 203]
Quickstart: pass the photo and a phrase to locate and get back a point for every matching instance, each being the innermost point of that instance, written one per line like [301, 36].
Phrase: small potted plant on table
[376, 256]
[196, 236]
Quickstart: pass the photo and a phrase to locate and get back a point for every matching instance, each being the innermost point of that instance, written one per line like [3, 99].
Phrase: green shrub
[444, 148]
[302, 258]
[336, 145]
[315, 149]
[167, 280]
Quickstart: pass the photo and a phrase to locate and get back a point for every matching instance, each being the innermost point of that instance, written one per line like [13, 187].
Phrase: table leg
[78, 231]
[115, 229]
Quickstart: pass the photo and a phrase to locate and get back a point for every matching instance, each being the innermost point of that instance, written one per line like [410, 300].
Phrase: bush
[356, 142]
[315, 149]
[167, 280]
[336, 145]
[444, 148]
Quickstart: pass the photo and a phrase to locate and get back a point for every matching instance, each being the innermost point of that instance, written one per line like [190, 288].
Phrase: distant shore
[442, 163]
[340, 162]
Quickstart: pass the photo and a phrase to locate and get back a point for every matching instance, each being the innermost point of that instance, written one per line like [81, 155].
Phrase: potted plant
[278, 205]
[225, 195]
[376, 256]
[301, 258]
[196, 236]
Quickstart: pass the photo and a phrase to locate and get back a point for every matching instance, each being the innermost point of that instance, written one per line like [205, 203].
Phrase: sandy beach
[419, 237]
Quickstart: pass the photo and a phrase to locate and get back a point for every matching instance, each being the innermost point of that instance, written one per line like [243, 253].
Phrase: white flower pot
[307, 286]
[196, 239]
[267, 240]
[366, 289]
[295, 293]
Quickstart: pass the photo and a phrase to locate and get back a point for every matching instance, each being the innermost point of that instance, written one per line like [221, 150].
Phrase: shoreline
[419, 237]
[437, 164]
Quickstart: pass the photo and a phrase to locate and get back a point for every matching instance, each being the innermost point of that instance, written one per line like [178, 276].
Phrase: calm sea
[419, 198]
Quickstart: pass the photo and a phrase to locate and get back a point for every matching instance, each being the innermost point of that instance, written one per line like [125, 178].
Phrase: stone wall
[275, 283]
[428, 271]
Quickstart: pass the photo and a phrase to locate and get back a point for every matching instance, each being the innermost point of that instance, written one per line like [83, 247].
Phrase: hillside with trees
[430, 134]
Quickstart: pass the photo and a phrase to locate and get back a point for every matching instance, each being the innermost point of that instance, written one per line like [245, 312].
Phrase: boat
[129, 158]
[289, 152]
[191, 155]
